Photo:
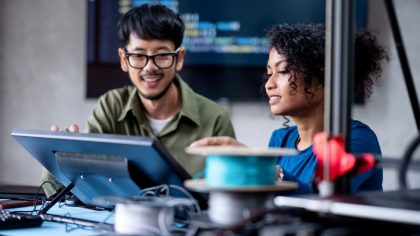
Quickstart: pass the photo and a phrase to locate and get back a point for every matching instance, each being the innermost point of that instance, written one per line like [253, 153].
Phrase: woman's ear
[123, 61]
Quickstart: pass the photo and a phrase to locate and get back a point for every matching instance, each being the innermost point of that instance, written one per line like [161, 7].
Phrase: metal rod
[339, 72]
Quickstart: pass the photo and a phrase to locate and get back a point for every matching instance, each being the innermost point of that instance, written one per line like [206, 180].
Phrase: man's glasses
[161, 60]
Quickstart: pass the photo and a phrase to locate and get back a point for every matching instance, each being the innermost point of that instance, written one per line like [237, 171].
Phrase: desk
[53, 229]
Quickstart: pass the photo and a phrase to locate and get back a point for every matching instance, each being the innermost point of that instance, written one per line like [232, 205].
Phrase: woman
[294, 84]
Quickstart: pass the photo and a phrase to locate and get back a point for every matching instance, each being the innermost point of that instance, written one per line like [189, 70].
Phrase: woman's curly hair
[303, 45]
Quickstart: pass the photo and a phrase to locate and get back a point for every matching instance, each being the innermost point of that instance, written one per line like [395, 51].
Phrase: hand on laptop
[74, 128]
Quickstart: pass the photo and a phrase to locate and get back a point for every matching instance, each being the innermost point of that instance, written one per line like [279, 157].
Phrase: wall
[42, 75]
[42, 81]
[388, 112]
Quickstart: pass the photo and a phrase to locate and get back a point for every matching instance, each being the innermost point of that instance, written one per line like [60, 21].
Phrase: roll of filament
[228, 208]
[239, 171]
[145, 215]
[137, 219]
[240, 180]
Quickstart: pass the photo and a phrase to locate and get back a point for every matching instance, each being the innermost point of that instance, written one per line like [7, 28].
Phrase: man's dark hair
[151, 22]
[303, 46]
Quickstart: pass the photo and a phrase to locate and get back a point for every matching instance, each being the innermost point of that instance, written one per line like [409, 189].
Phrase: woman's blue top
[301, 168]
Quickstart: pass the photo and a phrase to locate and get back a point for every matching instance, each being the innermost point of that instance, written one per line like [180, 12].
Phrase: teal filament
[239, 171]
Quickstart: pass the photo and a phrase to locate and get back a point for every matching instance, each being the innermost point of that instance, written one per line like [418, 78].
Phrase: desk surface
[52, 228]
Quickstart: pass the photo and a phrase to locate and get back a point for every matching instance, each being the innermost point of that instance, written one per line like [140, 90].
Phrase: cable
[182, 190]
[405, 66]
[164, 190]
[35, 198]
[158, 190]
[37, 193]
[57, 198]
[402, 174]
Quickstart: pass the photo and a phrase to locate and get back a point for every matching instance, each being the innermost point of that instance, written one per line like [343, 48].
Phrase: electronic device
[13, 203]
[103, 164]
[380, 206]
[8, 191]
[15, 220]
[225, 42]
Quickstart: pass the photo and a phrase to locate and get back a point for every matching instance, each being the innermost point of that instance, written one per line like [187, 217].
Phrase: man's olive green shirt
[120, 111]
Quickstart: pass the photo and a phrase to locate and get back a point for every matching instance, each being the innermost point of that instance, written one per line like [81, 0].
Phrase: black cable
[35, 199]
[38, 190]
[409, 82]
[59, 196]
[402, 173]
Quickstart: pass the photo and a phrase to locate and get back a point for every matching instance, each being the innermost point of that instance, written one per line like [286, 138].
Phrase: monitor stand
[57, 198]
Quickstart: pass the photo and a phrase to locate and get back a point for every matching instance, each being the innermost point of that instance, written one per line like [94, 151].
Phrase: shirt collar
[132, 103]
[190, 108]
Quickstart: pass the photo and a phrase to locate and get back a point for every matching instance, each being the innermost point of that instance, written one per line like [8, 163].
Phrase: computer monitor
[225, 41]
[103, 164]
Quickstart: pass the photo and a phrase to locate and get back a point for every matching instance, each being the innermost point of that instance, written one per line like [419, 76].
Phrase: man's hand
[73, 128]
[216, 141]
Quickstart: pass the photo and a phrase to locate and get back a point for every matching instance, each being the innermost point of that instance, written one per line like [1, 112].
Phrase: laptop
[103, 164]
[9, 191]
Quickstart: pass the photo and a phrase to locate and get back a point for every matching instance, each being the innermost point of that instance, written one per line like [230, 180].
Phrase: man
[158, 103]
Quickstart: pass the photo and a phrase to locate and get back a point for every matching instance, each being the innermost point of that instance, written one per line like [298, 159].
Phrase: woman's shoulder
[285, 130]
[280, 136]
[359, 128]
[364, 139]
[358, 124]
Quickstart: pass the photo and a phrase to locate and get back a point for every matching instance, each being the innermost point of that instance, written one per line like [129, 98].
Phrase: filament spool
[144, 215]
[138, 219]
[236, 166]
[227, 208]
[234, 171]
[240, 180]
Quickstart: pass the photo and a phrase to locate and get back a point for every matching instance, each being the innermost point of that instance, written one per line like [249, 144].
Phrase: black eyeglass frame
[173, 54]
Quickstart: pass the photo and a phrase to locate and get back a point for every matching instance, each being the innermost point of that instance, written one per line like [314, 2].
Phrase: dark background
[236, 77]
